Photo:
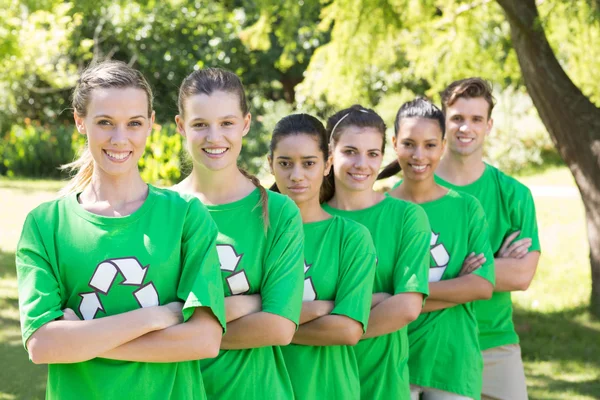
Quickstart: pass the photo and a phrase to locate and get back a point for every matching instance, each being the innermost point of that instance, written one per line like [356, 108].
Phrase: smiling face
[467, 125]
[357, 157]
[299, 167]
[214, 126]
[117, 125]
[419, 146]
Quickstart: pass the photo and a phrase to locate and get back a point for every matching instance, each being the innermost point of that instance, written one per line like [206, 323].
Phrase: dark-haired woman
[445, 359]
[401, 235]
[260, 242]
[339, 268]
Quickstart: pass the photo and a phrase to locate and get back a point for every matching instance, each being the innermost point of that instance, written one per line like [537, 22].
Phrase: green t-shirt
[509, 207]
[402, 266]
[339, 266]
[101, 266]
[444, 347]
[253, 262]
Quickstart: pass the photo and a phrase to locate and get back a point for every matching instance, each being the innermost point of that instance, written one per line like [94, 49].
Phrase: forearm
[63, 342]
[378, 298]
[312, 310]
[196, 339]
[513, 274]
[258, 330]
[393, 314]
[329, 330]
[434, 305]
[461, 290]
[241, 305]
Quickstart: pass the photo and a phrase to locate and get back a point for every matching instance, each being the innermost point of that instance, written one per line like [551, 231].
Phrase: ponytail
[390, 170]
[81, 171]
[264, 197]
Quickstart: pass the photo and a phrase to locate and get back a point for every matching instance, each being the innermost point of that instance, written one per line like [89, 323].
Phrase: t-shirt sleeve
[357, 272]
[523, 217]
[411, 272]
[39, 289]
[283, 282]
[479, 239]
[200, 284]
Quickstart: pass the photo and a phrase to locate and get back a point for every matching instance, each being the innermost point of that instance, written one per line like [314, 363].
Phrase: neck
[419, 191]
[311, 211]
[354, 200]
[217, 187]
[117, 191]
[461, 170]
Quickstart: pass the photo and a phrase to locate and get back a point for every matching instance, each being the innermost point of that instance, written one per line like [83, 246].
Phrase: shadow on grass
[7, 265]
[570, 340]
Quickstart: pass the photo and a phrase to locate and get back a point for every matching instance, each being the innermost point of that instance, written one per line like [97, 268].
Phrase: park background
[318, 56]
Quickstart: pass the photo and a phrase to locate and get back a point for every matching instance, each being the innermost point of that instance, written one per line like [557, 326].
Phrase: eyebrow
[108, 116]
[289, 158]
[225, 117]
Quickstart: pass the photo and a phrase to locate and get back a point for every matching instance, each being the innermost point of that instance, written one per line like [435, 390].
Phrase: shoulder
[173, 200]
[509, 185]
[351, 231]
[468, 201]
[50, 211]
[282, 210]
[408, 215]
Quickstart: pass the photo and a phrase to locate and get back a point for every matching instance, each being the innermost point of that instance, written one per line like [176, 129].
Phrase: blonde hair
[105, 75]
[209, 80]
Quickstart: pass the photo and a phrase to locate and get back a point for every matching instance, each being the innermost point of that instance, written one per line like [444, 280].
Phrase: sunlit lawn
[561, 343]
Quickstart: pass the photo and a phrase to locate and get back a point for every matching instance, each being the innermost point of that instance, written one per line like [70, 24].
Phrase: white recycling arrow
[238, 283]
[131, 269]
[440, 257]
[104, 276]
[309, 288]
[90, 304]
[147, 296]
[228, 258]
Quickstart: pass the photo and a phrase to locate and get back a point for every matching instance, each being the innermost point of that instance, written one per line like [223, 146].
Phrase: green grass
[559, 339]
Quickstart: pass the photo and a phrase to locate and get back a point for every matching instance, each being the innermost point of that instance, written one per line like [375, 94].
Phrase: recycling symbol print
[309, 288]
[440, 258]
[238, 281]
[104, 276]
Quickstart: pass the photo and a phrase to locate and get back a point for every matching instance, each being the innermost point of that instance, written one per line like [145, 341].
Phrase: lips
[117, 156]
[215, 151]
[465, 139]
[418, 168]
[297, 189]
[359, 177]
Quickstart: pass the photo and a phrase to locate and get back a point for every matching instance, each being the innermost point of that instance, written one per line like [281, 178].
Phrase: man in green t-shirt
[510, 212]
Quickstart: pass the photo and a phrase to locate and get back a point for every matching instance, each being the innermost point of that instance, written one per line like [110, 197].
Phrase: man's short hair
[468, 88]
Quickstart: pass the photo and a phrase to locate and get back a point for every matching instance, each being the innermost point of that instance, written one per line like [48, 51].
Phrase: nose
[464, 127]
[212, 135]
[417, 153]
[119, 136]
[359, 162]
[296, 175]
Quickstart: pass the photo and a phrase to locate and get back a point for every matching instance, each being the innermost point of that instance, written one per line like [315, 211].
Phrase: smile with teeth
[465, 140]
[359, 177]
[418, 168]
[117, 155]
[215, 151]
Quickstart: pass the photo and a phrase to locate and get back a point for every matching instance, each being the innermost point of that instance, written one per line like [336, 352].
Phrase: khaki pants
[433, 394]
[503, 374]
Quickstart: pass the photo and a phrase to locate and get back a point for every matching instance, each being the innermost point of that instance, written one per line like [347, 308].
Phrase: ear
[490, 125]
[328, 165]
[394, 142]
[180, 123]
[270, 164]
[247, 121]
[443, 145]
[152, 119]
[79, 123]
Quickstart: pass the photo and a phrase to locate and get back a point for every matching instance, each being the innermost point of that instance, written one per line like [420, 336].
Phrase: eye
[431, 145]
[309, 164]
[284, 164]
[227, 123]
[199, 125]
[349, 152]
[407, 144]
[457, 118]
[135, 123]
[374, 154]
[104, 122]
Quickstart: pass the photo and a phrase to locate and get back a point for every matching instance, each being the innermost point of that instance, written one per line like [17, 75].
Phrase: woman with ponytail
[260, 242]
[339, 268]
[401, 235]
[462, 263]
[119, 284]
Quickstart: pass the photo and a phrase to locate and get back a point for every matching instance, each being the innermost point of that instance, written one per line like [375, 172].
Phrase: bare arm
[378, 298]
[258, 330]
[393, 314]
[241, 305]
[69, 341]
[312, 310]
[329, 330]
[463, 289]
[198, 338]
[434, 305]
[514, 274]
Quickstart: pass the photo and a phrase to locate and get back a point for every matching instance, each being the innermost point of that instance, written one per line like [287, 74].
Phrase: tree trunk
[572, 120]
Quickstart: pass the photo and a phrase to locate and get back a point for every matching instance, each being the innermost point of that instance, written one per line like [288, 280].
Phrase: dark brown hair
[207, 81]
[468, 88]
